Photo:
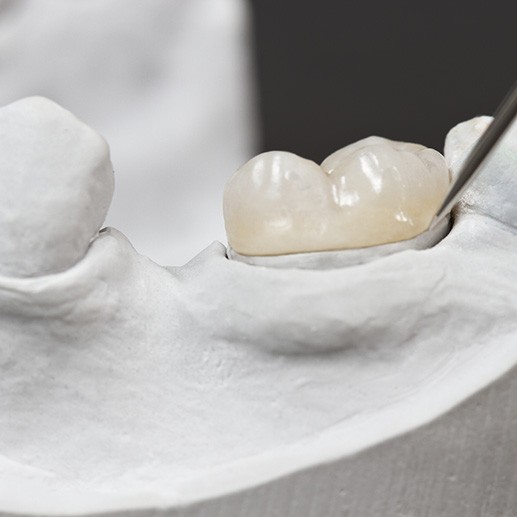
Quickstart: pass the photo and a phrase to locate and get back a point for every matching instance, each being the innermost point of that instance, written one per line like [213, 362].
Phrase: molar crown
[56, 185]
[375, 191]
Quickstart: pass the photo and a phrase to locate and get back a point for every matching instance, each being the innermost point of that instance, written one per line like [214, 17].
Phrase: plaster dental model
[222, 389]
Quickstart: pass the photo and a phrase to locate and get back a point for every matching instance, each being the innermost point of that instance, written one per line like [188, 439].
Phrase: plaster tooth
[56, 184]
[372, 192]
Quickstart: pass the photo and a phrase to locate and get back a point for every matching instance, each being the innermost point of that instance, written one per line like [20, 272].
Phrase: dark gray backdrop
[331, 72]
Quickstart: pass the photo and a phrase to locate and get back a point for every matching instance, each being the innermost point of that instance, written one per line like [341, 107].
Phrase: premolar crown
[372, 192]
[56, 184]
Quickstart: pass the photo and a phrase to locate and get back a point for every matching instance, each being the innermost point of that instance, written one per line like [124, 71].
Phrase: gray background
[331, 72]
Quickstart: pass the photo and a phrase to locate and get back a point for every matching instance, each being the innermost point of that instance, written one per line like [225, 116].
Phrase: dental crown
[372, 192]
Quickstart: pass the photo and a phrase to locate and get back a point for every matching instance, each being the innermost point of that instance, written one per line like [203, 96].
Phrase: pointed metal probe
[503, 117]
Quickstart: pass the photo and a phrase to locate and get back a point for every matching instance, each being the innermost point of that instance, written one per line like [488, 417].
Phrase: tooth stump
[56, 184]
[375, 191]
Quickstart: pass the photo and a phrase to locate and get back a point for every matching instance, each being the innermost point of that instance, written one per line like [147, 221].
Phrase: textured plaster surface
[220, 388]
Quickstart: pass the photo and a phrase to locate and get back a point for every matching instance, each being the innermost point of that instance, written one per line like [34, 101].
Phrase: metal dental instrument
[503, 117]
